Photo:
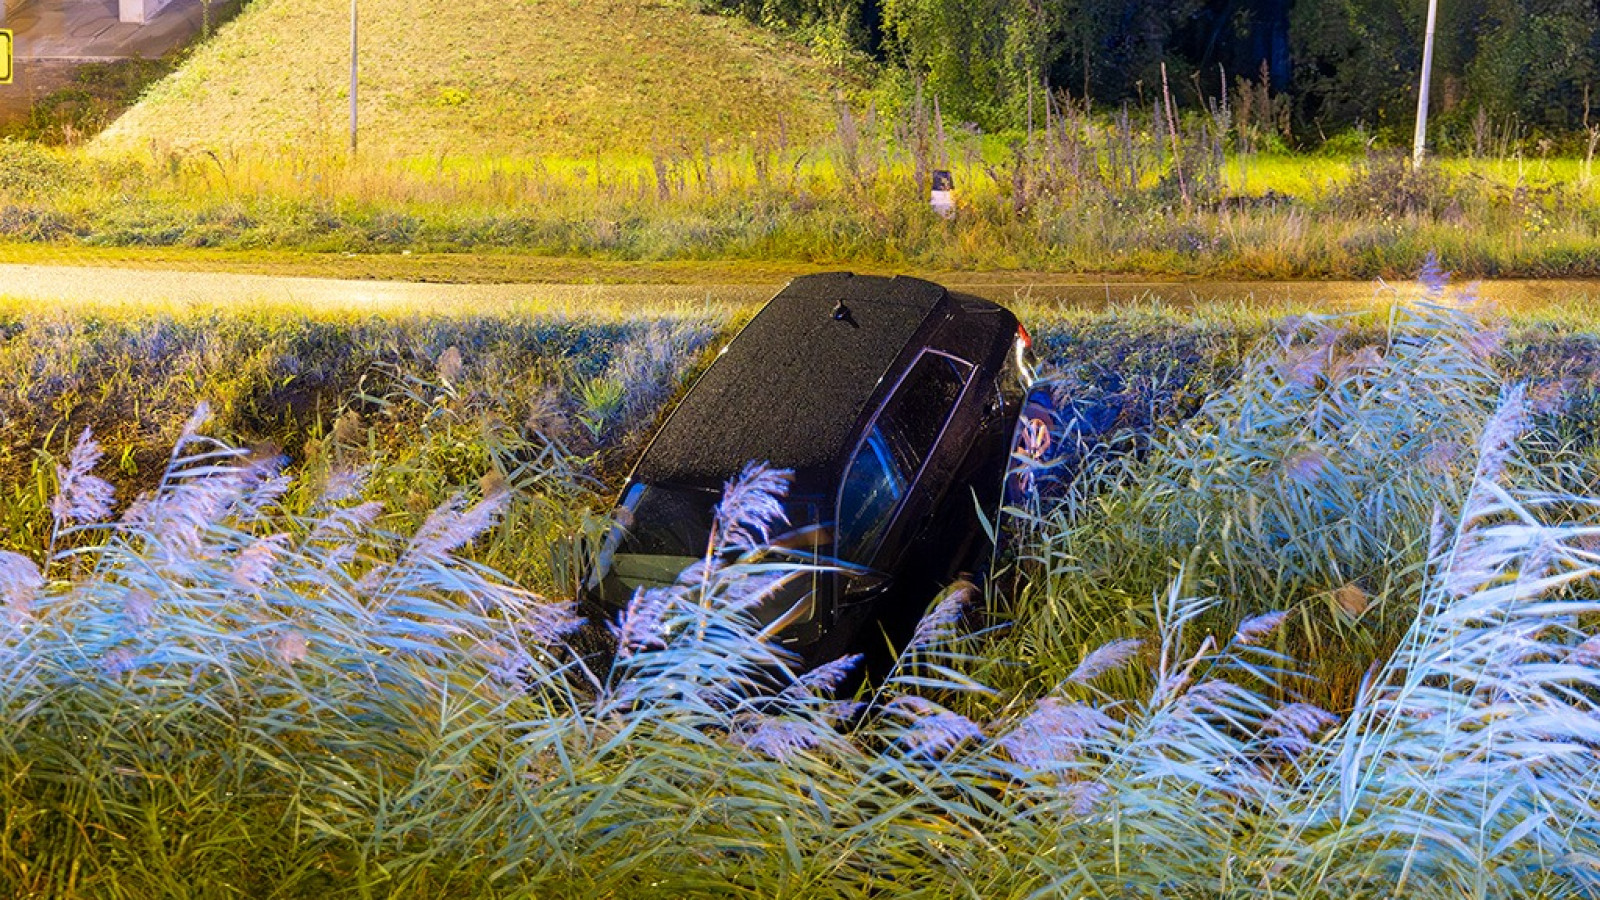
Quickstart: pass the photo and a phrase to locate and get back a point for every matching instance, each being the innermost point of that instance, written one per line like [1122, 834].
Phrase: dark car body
[892, 400]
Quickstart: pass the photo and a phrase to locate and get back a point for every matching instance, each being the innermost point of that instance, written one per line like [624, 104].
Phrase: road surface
[105, 286]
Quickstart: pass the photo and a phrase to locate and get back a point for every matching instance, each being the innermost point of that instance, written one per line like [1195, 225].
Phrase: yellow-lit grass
[524, 78]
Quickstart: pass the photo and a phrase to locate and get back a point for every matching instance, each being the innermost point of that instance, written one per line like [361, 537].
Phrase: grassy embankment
[628, 131]
[1300, 217]
[315, 684]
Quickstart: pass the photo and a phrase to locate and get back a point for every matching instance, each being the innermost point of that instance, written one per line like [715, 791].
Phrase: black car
[893, 400]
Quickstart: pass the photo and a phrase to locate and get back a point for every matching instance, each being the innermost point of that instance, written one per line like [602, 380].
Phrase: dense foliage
[1336, 64]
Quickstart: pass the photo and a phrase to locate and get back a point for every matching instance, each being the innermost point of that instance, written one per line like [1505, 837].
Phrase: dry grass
[525, 79]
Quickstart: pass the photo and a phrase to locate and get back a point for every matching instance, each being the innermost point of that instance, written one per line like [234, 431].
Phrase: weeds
[1083, 194]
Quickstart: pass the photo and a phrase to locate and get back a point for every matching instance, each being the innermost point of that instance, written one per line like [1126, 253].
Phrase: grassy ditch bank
[1314, 619]
[1093, 201]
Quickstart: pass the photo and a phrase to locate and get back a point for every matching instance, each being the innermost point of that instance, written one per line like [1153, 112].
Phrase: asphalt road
[102, 286]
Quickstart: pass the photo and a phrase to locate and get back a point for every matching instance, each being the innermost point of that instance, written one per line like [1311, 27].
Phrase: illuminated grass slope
[483, 77]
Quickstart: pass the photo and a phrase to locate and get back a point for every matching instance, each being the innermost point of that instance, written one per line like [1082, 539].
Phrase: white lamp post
[1422, 93]
[352, 77]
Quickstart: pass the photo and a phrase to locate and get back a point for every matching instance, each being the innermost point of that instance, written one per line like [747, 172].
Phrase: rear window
[894, 449]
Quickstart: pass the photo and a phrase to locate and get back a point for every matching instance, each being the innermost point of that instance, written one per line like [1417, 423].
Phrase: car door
[898, 470]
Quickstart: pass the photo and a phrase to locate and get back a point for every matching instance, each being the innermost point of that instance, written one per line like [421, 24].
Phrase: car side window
[894, 449]
[872, 487]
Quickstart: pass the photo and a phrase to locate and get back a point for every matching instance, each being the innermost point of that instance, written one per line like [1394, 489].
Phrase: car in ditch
[895, 404]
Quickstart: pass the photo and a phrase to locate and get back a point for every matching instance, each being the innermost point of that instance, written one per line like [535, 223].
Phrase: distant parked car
[894, 401]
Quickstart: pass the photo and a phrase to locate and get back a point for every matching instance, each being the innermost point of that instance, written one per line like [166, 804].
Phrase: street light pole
[352, 77]
[1422, 93]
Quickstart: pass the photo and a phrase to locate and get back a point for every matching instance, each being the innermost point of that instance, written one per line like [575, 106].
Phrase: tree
[980, 58]
[1534, 60]
[1107, 49]
[1356, 61]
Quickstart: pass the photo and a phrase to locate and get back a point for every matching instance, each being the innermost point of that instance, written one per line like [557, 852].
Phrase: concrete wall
[138, 12]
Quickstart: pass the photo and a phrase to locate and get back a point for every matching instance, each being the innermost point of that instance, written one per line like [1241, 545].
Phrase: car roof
[792, 387]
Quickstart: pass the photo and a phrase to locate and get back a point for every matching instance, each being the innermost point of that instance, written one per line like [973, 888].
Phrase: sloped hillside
[515, 77]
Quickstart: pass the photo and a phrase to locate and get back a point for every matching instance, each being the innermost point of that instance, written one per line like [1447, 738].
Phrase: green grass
[534, 78]
[348, 678]
[757, 205]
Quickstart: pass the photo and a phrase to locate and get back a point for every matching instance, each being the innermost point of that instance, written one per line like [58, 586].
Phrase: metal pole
[1422, 93]
[352, 77]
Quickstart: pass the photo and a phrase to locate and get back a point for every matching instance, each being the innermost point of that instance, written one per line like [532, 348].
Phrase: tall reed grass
[1307, 485]
[248, 682]
[1133, 192]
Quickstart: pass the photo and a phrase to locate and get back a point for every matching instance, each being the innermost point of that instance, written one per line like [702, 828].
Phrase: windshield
[662, 529]
[665, 521]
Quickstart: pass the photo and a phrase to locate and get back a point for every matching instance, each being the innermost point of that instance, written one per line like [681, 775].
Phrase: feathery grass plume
[1495, 447]
[342, 484]
[1305, 466]
[812, 693]
[695, 648]
[1360, 363]
[449, 526]
[20, 582]
[1253, 629]
[1055, 734]
[642, 623]
[823, 680]
[264, 484]
[782, 738]
[931, 730]
[939, 655]
[1351, 600]
[1433, 278]
[1084, 797]
[192, 426]
[80, 496]
[1291, 729]
[1107, 657]
[254, 566]
[138, 605]
[1300, 365]
[345, 521]
[750, 588]
[941, 622]
[539, 621]
[450, 365]
[178, 516]
[348, 429]
[751, 503]
[1586, 653]
[292, 647]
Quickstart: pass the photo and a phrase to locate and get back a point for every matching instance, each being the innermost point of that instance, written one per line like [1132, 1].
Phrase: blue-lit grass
[1302, 474]
[353, 711]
